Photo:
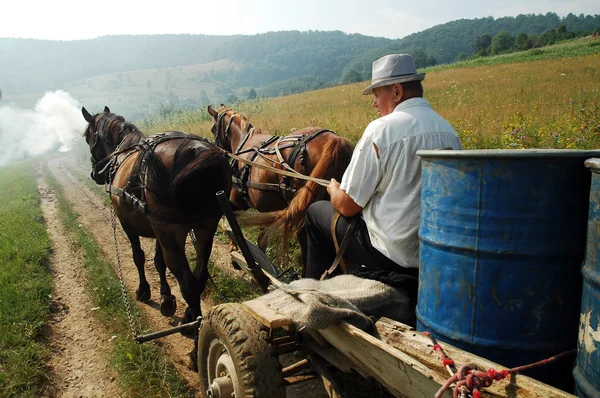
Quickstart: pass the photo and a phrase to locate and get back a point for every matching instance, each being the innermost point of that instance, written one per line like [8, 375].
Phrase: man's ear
[398, 92]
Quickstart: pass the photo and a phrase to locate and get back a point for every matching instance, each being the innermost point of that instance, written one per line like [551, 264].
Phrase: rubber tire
[247, 342]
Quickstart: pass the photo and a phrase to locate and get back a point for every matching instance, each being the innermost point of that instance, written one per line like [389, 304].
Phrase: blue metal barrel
[502, 239]
[587, 371]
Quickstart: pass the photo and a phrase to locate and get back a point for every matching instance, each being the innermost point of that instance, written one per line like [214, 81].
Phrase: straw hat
[393, 68]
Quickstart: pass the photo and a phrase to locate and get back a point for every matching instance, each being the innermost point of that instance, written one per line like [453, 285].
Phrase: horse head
[218, 129]
[101, 134]
[228, 126]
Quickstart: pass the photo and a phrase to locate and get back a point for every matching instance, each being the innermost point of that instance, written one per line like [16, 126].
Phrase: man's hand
[341, 201]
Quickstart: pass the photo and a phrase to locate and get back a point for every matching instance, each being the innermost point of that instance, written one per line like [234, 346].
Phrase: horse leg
[204, 242]
[168, 305]
[173, 248]
[302, 241]
[142, 293]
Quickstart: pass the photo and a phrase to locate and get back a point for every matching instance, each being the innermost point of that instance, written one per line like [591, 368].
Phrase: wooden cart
[239, 349]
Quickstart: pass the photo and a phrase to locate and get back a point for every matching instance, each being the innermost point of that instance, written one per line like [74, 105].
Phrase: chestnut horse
[310, 151]
[161, 187]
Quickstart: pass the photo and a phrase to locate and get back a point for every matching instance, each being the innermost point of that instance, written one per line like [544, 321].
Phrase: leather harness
[272, 146]
[110, 165]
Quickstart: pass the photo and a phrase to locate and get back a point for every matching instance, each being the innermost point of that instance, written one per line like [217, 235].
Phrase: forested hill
[192, 69]
[29, 65]
[445, 42]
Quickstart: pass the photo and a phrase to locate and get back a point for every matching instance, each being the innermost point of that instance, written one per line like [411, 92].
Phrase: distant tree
[148, 83]
[482, 42]
[549, 37]
[173, 99]
[231, 99]
[203, 98]
[252, 94]
[481, 53]
[422, 59]
[533, 42]
[461, 57]
[351, 76]
[522, 42]
[502, 42]
[561, 30]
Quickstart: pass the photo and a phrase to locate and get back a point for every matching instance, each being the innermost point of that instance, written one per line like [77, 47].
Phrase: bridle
[105, 164]
[225, 141]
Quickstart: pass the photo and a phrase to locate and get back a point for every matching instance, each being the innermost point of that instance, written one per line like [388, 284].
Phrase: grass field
[25, 284]
[546, 98]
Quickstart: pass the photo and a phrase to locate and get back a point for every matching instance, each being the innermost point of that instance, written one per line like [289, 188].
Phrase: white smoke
[53, 124]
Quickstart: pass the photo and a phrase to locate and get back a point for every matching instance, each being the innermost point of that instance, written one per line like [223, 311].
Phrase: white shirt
[387, 185]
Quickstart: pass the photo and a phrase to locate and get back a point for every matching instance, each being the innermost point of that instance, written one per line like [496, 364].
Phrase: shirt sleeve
[364, 171]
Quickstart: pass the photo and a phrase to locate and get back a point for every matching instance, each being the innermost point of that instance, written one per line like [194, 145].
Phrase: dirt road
[79, 345]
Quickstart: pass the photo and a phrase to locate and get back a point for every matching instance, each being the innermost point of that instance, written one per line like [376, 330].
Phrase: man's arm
[341, 201]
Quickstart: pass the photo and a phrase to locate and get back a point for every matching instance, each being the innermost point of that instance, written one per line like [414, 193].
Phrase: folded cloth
[317, 304]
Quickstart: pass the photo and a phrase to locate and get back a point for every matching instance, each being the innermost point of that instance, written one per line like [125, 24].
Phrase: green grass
[144, 370]
[25, 284]
[571, 48]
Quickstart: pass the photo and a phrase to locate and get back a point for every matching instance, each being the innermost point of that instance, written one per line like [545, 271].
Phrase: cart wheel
[235, 358]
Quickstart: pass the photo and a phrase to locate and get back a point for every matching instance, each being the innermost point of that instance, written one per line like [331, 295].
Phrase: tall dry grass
[552, 103]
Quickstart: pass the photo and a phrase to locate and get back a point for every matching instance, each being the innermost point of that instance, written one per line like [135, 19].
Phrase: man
[381, 187]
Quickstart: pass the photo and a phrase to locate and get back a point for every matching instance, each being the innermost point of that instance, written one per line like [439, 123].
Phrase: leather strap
[338, 260]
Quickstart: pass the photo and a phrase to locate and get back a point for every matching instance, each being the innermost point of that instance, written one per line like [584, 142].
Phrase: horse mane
[115, 130]
[129, 134]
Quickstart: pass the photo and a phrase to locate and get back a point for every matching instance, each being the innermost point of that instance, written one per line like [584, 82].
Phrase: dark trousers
[372, 264]
[321, 249]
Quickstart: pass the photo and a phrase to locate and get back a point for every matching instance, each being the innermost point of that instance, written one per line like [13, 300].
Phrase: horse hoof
[142, 295]
[235, 265]
[192, 361]
[187, 318]
[168, 305]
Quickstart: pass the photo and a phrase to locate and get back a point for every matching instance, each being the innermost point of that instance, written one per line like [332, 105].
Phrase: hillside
[151, 73]
[521, 100]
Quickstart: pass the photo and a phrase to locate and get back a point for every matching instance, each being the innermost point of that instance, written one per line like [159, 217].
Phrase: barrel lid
[508, 153]
[593, 163]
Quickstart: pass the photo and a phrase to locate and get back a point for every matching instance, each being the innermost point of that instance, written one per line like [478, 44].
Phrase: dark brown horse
[161, 187]
[310, 151]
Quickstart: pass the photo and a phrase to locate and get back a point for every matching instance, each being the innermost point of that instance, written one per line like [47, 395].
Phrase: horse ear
[106, 110]
[211, 111]
[86, 115]
[224, 106]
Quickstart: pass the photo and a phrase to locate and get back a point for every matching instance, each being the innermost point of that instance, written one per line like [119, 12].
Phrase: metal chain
[113, 220]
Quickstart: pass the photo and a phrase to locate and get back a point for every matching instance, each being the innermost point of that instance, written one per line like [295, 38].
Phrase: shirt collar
[409, 103]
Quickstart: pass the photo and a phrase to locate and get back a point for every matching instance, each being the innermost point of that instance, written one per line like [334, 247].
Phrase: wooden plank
[399, 373]
[265, 315]
[259, 257]
[420, 348]
[409, 367]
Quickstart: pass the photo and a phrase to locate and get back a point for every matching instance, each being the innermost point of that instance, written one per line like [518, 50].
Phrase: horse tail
[336, 154]
[197, 173]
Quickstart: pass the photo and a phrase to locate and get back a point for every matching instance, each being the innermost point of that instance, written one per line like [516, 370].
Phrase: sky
[394, 19]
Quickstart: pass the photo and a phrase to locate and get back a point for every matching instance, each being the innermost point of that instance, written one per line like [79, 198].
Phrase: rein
[295, 174]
